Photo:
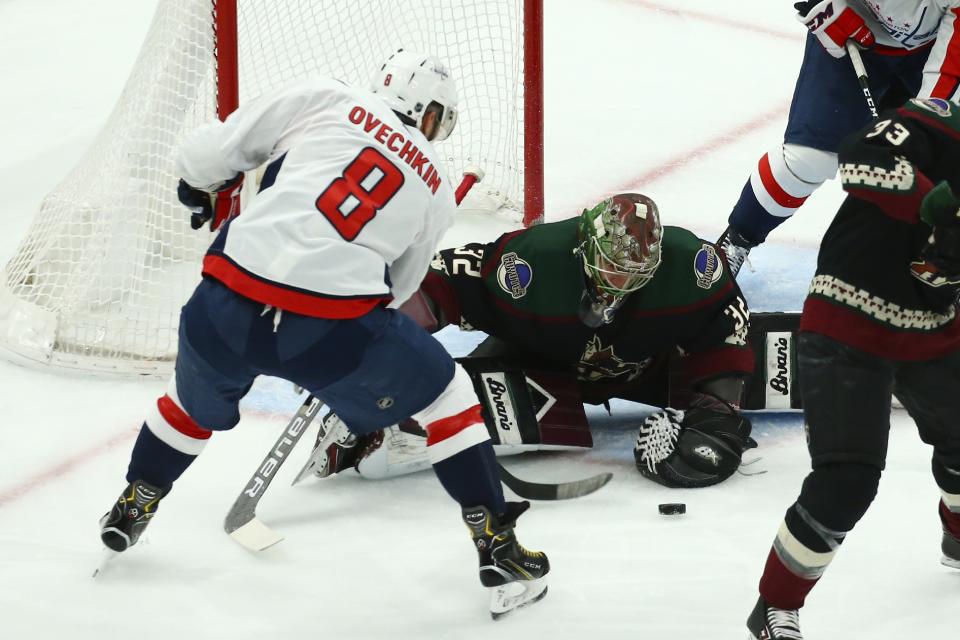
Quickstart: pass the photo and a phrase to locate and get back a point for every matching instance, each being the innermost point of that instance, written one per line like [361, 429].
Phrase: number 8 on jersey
[366, 186]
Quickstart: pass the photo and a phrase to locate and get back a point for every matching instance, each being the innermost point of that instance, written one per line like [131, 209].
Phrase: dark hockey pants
[847, 399]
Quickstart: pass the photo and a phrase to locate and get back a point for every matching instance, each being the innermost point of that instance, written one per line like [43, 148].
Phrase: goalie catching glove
[694, 448]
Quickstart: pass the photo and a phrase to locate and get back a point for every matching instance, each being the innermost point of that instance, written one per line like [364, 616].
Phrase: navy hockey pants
[829, 105]
[373, 371]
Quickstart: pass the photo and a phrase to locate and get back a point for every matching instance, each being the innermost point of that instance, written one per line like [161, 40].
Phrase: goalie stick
[558, 491]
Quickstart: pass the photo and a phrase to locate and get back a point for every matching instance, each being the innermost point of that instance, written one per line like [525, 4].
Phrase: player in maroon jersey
[880, 319]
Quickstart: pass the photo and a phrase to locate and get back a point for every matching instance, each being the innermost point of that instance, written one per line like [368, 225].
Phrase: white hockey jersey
[901, 26]
[354, 215]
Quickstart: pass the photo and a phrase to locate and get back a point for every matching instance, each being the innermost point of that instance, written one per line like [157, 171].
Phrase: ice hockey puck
[672, 508]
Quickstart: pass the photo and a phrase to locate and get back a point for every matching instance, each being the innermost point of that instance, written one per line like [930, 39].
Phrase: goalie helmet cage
[97, 283]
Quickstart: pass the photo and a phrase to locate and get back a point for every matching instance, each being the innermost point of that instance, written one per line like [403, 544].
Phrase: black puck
[672, 508]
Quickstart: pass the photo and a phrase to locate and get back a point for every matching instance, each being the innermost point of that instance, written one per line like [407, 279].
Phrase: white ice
[676, 99]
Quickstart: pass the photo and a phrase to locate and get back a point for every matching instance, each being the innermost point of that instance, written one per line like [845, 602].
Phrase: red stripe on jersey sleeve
[950, 67]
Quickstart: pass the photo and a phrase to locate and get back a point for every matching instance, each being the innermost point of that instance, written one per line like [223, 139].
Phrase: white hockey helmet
[410, 82]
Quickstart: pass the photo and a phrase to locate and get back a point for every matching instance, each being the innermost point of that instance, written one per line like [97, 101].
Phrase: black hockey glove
[202, 203]
[939, 262]
[695, 448]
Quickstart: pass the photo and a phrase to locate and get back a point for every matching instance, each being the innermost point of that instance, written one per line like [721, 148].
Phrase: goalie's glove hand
[202, 202]
[939, 263]
[833, 22]
[698, 447]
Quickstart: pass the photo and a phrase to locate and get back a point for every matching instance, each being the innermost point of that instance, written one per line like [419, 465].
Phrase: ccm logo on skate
[283, 448]
[778, 370]
[501, 408]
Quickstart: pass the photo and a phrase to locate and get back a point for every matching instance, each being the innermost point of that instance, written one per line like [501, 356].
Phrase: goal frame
[43, 326]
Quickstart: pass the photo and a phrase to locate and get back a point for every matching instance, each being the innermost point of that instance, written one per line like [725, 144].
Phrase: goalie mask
[411, 82]
[620, 252]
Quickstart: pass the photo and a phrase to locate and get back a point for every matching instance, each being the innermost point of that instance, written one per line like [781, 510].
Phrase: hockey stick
[558, 491]
[241, 522]
[854, 52]
[243, 525]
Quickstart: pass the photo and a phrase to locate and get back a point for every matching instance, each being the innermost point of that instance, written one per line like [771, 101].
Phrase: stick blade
[254, 535]
[551, 491]
[580, 488]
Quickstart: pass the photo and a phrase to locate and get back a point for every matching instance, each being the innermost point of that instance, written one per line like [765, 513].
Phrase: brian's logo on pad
[500, 404]
[707, 266]
[779, 372]
[514, 275]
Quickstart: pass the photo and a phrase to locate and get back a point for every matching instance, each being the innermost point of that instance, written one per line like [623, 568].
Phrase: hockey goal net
[98, 281]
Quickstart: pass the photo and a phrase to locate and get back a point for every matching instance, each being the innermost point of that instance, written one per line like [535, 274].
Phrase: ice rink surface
[675, 99]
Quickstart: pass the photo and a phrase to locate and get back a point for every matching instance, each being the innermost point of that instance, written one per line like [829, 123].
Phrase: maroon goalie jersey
[864, 293]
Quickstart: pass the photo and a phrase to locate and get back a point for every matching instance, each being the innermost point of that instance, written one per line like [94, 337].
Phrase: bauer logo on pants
[778, 374]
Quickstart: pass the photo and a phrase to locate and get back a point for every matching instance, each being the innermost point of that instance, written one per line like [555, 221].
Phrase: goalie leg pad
[529, 408]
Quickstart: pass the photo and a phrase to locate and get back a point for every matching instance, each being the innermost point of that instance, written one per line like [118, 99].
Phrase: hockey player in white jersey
[911, 48]
[304, 284]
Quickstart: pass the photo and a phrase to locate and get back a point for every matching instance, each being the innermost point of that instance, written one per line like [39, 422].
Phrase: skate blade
[947, 561]
[312, 464]
[514, 595]
[106, 556]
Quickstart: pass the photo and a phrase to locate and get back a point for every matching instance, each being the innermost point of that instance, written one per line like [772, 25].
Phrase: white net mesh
[98, 282]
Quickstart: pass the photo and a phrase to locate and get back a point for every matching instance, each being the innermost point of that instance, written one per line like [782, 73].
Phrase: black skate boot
[515, 576]
[950, 544]
[769, 623]
[736, 248]
[120, 528]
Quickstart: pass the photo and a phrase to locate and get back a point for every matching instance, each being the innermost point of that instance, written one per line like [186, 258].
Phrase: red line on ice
[796, 36]
[684, 158]
[23, 488]
[60, 469]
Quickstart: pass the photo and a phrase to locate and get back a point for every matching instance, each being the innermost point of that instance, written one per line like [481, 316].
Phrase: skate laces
[658, 436]
[785, 622]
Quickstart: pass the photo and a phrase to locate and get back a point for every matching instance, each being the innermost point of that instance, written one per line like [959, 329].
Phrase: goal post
[98, 280]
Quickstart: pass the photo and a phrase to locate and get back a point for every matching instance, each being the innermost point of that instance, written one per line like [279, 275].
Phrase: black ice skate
[769, 623]
[515, 576]
[950, 545]
[120, 528]
[951, 551]
[736, 248]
